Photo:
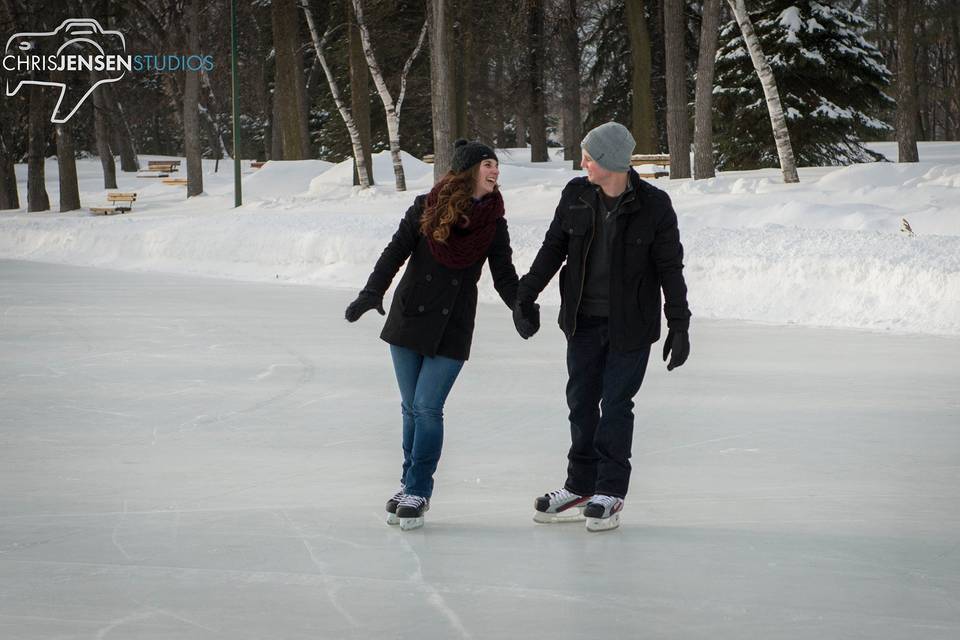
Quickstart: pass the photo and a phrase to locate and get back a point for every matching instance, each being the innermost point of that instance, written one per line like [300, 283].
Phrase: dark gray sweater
[596, 286]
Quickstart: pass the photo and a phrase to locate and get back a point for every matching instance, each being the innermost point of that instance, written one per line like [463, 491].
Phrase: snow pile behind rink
[828, 251]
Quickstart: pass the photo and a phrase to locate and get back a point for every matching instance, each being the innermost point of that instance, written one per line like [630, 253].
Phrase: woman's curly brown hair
[453, 202]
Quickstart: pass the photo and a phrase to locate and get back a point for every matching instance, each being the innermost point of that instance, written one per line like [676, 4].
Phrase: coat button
[429, 277]
[445, 311]
[570, 230]
[420, 308]
[455, 282]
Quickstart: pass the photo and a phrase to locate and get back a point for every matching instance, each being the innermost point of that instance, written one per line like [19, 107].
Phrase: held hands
[526, 318]
[677, 342]
[365, 301]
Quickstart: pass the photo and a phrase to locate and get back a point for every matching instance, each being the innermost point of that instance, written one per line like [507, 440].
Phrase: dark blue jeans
[600, 390]
[424, 385]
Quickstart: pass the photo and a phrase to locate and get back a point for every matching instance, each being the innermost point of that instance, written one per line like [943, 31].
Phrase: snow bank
[827, 251]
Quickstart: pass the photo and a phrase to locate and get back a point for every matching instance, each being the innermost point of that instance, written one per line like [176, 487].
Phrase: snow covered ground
[183, 457]
[826, 252]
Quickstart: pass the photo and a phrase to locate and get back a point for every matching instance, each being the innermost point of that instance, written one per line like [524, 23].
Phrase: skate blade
[603, 524]
[411, 523]
[572, 515]
[392, 518]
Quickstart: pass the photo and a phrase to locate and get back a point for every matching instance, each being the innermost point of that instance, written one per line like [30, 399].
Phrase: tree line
[743, 83]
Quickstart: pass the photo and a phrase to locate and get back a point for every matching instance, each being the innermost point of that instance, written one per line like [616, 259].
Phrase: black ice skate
[603, 513]
[559, 506]
[392, 507]
[410, 511]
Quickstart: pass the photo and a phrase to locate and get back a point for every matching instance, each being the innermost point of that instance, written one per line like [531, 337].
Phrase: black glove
[365, 301]
[678, 341]
[526, 318]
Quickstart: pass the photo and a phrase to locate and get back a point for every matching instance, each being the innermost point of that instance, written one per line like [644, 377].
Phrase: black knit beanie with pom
[466, 154]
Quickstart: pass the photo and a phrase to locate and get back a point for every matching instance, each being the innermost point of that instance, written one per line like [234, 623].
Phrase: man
[618, 236]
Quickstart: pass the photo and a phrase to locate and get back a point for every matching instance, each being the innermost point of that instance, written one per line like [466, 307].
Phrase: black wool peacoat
[434, 307]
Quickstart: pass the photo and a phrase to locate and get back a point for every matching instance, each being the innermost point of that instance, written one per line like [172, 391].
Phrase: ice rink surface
[191, 458]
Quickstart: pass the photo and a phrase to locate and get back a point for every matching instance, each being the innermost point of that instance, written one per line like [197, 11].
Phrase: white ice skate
[559, 506]
[603, 513]
[392, 507]
[410, 511]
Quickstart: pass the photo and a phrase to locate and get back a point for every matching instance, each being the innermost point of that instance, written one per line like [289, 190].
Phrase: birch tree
[391, 108]
[355, 140]
[780, 133]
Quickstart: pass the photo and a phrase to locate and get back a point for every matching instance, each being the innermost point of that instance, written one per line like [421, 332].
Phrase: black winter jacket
[434, 307]
[646, 257]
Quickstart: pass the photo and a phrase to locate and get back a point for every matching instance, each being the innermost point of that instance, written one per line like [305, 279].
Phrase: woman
[447, 235]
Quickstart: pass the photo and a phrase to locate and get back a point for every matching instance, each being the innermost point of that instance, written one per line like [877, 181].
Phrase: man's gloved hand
[365, 301]
[677, 342]
[526, 318]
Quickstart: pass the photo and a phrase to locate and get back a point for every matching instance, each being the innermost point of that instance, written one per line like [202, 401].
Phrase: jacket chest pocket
[577, 222]
[638, 237]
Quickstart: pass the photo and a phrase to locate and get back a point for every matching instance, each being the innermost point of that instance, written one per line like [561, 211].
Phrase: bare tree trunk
[360, 101]
[906, 122]
[102, 133]
[37, 199]
[288, 81]
[462, 63]
[678, 124]
[67, 165]
[276, 139]
[441, 83]
[9, 194]
[538, 121]
[122, 136]
[392, 109]
[191, 106]
[643, 122]
[781, 134]
[212, 114]
[570, 64]
[499, 111]
[363, 168]
[703, 118]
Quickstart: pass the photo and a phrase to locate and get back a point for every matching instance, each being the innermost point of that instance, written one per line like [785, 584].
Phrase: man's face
[595, 173]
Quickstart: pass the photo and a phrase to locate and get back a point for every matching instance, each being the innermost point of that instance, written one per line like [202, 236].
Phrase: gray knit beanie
[610, 145]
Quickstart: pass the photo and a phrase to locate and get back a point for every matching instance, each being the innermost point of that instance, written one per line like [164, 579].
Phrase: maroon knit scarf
[468, 244]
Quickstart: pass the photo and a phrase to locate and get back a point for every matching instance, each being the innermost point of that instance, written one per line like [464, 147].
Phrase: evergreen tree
[831, 83]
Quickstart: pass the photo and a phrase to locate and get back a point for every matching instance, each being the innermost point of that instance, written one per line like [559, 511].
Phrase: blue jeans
[424, 385]
[601, 379]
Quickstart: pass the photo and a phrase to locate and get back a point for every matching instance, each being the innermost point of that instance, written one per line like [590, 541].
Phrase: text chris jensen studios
[108, 63]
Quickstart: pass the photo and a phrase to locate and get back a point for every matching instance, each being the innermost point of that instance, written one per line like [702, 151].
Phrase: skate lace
[606, 501]
[412, 501]
[398, 496]
[561, 495]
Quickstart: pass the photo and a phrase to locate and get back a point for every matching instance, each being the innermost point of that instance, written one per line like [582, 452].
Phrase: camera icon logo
[71, 51]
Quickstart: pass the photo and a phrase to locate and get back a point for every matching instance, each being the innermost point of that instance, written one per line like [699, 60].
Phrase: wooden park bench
[122, 202]
[159, 168]
[256, 164]
[658, 159]
[163, 166]
[175, 182]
